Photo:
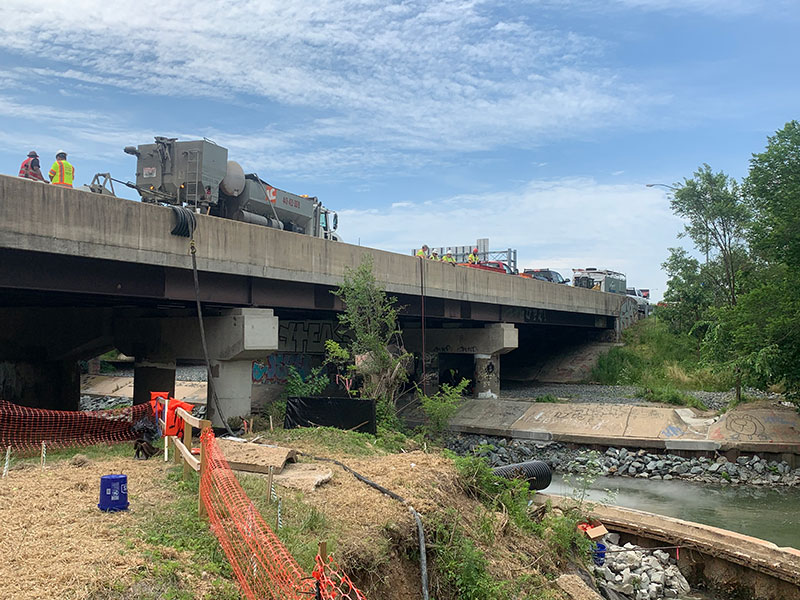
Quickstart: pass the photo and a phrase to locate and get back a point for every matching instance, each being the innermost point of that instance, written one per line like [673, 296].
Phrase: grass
[669, 395]
[655, 358]
[547, 398]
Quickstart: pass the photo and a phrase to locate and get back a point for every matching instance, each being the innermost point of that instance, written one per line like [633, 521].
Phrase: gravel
[182, 372]
[618, 394]
[625, 462]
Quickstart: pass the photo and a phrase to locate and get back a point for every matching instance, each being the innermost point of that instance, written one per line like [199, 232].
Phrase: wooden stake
[187, 441]
[201, 508]
[269, 485]
[323, 551]
[8, 460]
[166, 438]
[270, 423]
[44, 454]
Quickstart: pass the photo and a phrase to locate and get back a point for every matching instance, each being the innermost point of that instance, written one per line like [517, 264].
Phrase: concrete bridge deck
[60, 239]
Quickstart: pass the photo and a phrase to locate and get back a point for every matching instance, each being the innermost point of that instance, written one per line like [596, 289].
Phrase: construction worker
[435, 255]
[62, 173]
[448, 258]
[30, 168]
[422, 252]
[473, 257]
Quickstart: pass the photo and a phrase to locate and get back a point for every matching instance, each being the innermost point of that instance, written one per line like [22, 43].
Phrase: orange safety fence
[263, 566]
[24, 428]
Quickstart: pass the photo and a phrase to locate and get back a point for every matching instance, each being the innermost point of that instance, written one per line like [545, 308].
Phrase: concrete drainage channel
[694, 488]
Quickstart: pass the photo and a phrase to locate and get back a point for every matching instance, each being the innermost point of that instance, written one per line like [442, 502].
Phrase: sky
[534, 123]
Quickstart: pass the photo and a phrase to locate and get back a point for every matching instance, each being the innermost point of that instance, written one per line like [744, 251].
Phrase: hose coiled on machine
[185, 222]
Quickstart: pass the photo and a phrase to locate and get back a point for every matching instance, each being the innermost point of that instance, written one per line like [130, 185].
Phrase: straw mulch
[56, 543]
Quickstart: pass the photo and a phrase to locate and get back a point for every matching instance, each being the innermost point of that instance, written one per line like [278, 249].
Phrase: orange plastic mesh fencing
[24, 428]
[262, 564]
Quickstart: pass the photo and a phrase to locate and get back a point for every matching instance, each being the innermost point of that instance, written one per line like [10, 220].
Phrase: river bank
[749, 470]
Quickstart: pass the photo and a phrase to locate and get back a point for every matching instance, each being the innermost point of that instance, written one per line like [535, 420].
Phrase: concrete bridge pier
[235, 337]
[152, 375]
[53, 384]
[485, 344]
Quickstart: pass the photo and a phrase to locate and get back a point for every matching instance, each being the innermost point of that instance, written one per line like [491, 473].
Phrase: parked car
[644, 306]
[546, 275]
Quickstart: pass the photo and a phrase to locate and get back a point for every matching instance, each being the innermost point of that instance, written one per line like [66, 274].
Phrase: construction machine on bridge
[197, 174]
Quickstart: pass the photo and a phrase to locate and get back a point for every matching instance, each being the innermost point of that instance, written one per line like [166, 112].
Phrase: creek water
[767, 513]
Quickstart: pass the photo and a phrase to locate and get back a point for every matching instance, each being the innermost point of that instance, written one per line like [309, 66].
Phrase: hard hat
[474, 249]
[449, 251]
[61, 152]
[33, 154]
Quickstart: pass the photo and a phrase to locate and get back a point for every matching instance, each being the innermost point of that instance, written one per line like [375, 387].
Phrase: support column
[54, 384]
[152, 375]
[487, 375]
[233, 380]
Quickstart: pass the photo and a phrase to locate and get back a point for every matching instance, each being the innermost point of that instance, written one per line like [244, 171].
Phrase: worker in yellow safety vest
[62, 173]
[435, 255]
[473, 257]
[422, 252]
[448, 258]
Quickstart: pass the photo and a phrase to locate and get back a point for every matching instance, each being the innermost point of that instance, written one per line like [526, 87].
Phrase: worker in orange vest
[62, 173]
[30, 168]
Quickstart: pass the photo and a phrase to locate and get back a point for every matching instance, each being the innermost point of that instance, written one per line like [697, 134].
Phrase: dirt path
[55, 541]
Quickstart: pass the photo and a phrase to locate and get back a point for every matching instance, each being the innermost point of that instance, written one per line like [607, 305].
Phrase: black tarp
[357, 414]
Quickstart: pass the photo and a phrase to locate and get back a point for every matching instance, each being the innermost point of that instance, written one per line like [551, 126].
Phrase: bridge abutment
[52, 384]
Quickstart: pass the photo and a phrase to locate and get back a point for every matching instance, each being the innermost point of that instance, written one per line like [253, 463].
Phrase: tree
[773, 189]
[688, 295]
[374, 355]
[717, 222]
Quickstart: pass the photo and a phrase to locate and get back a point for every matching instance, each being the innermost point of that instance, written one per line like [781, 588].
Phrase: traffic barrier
[262, 564]
[24, 428]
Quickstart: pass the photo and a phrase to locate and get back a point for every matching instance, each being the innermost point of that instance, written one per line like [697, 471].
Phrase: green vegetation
[546, 398]
[441, 406]
[656, 358]
[740, 304]
[373, 363]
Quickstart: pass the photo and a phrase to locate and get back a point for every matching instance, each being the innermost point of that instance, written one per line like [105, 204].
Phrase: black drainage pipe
[535, 472]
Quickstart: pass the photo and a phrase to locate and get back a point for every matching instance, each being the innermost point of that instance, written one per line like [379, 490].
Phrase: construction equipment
[596, 279]
[197, 174]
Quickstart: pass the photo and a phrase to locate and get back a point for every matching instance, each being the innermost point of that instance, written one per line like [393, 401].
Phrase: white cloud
[411, 77]
[561, 224]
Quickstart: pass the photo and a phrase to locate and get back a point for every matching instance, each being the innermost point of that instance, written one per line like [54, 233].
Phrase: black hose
[185, 222]
[423, 557]
[209, 376]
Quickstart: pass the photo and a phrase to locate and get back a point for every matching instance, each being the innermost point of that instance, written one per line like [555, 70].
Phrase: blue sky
[533, 123]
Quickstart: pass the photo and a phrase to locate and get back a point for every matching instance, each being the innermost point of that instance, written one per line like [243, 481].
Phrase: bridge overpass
[81, 273]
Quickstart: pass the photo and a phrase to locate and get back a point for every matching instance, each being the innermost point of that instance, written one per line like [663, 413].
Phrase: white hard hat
[61, 152]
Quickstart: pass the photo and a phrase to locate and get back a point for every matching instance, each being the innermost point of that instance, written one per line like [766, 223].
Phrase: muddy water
[768, 513]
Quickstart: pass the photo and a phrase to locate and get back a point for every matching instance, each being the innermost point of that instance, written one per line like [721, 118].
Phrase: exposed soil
[377, 535]
[56, 543]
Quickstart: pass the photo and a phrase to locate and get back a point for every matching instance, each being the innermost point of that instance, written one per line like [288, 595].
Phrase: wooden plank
[255, 458]
[187, 454]
[192, 420]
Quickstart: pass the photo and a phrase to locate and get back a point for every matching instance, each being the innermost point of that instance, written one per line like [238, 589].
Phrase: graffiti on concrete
[519, 314]
[275, 367]
[744, 426]
[672, 431]
[308, 336]
[628, 312]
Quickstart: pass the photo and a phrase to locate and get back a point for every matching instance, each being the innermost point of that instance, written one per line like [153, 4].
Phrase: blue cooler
[113, 493]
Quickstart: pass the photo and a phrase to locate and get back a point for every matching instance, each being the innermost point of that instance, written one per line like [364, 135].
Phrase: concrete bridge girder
[485, 345]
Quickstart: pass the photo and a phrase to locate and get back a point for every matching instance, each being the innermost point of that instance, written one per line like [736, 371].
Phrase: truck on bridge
[197, 174]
